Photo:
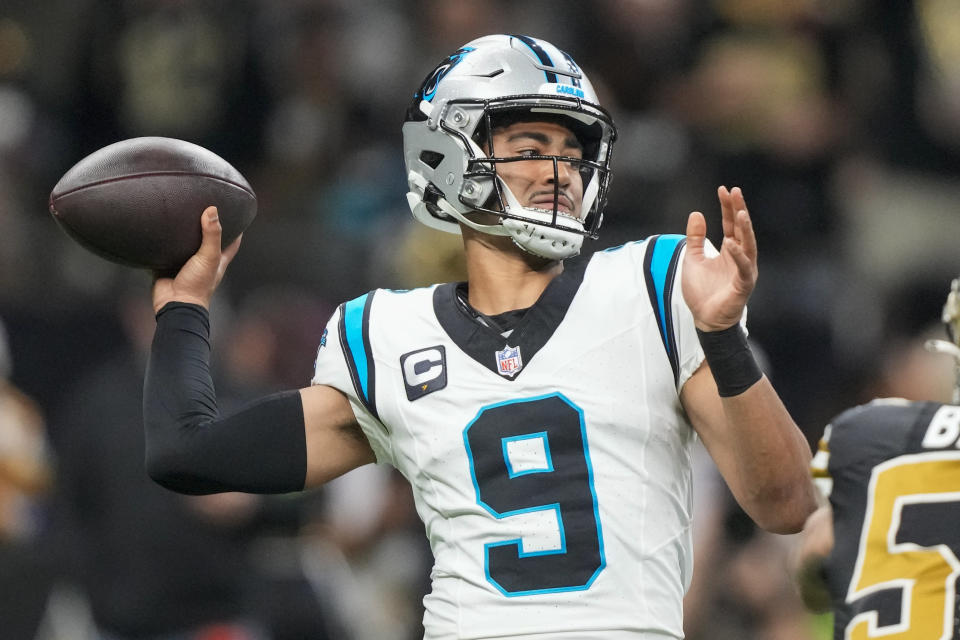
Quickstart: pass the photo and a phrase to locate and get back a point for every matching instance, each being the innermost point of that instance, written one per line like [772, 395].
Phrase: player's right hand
[199, 276]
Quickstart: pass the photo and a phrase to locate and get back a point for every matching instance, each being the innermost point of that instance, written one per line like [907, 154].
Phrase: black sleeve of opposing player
[190, 448]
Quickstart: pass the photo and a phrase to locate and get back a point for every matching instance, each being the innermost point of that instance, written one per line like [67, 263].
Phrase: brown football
[138, 202]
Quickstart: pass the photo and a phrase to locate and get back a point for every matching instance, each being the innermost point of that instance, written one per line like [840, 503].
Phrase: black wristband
[190, 448]
[734, 368]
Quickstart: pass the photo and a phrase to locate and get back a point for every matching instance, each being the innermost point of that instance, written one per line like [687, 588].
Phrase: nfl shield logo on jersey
[509, 361]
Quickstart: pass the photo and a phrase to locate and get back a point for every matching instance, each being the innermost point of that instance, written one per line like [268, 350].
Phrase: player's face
[533, 181]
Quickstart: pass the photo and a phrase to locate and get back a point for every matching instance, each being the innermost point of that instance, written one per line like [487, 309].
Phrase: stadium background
[840, 120]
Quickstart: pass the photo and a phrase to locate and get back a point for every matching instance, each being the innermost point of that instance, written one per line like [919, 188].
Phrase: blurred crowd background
[840, 119]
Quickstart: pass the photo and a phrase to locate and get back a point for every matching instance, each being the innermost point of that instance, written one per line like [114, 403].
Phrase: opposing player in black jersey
[884, 554]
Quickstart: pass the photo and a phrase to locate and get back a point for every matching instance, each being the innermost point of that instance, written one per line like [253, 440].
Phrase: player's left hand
[716, 288]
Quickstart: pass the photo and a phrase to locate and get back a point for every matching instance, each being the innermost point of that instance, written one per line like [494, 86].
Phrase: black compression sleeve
[192, 449]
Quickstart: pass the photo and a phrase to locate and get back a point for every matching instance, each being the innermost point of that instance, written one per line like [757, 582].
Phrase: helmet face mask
[452, 165]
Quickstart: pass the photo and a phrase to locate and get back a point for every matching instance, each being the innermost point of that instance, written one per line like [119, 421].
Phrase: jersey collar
[482, 342]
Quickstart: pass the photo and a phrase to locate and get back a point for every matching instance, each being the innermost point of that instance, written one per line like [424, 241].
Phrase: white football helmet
[951, 320]
[448, 126]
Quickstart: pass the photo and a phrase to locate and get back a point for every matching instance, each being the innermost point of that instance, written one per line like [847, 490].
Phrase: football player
[543, 411]
[884, 553]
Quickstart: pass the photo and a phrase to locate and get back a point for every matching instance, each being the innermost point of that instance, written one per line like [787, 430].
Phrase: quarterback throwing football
[542, 411]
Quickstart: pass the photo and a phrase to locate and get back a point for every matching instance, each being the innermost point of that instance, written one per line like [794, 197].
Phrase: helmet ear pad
[436, 161]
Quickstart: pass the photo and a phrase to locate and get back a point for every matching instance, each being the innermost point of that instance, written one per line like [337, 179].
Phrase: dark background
[840, 120]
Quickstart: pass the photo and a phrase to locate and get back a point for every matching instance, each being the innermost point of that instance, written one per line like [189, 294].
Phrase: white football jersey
[551, 468]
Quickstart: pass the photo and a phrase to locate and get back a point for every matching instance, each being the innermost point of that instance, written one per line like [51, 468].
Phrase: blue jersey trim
[663, 251]
[660, 268]
[353, 323]
[355, 340]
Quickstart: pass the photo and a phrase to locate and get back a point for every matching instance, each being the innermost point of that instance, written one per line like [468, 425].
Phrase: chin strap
[492, 229]
[415, 199]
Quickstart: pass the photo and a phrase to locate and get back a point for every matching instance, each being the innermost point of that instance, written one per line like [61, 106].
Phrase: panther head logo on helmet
[452, 167]
[429, 87]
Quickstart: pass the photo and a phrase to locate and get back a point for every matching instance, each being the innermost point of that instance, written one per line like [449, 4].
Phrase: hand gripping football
[138, 202]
